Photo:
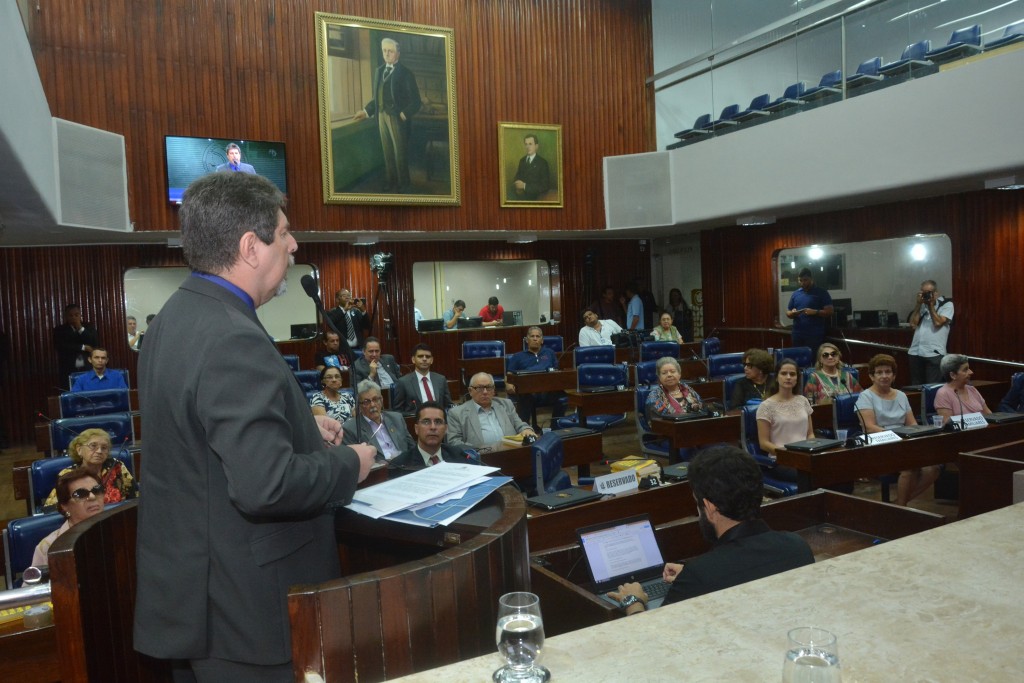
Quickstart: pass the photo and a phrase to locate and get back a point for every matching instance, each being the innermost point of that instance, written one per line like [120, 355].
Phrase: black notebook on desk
[813, 445]
[683, 417]
[913, 431]
[1002, 418]
[563, 498]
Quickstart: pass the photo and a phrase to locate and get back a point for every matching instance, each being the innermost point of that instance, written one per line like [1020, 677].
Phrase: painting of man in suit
[530, 159]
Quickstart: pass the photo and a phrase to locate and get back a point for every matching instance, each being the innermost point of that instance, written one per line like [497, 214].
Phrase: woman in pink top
[958, 397]
[785, 416]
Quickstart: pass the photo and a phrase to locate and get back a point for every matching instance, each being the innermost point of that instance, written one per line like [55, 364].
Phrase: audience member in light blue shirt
[634, 310]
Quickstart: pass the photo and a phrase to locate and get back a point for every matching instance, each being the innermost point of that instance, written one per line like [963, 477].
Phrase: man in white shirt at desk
[596, 332]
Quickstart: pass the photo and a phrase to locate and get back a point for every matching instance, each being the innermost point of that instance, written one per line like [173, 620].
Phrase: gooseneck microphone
[309, 285]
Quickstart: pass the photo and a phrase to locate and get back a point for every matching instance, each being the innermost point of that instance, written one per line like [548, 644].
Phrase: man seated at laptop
[536, 358]
[486, 418]
[430, 425]
[728, 488]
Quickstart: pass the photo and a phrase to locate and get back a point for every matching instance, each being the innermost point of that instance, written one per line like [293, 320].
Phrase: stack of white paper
[431, 496]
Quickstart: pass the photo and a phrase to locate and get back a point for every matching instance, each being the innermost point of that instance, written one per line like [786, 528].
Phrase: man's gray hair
[217, 210]
[367, 385]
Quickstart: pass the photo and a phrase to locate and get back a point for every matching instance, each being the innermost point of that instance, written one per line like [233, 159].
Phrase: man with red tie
[421, 385]
[431, 425]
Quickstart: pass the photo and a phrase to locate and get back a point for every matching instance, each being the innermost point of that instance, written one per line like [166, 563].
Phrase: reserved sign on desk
[616, 482]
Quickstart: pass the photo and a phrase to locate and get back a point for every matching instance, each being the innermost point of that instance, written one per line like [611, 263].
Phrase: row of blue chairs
[916, 56]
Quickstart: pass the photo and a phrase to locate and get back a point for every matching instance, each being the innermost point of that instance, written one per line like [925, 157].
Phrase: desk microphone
[960, 401]
[309, 285]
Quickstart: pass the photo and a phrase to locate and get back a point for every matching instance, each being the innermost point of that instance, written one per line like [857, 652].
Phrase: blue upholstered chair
[963, 42]
[913, 57]
[646, 372]
[752, 444]
[593, 354]
[43, 476]
[830, 84]
[728, 384]
[790, 98]
[803, 355]
[20, 540]
[650, 443]
[726, 118]
[845, 417]
[756, 109]
[653, 350]
[124, 373]
[928, 392]
[86, 403]
[597, 375]
[292, 360]
[485, 349]
[866, 73]
[548, 475]
[553, 342]
[722, 365]
[1014, 33]
[710, 347]
[309, 380]
[117, 425]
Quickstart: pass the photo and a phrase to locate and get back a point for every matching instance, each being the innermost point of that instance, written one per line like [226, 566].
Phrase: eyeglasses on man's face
[371, 401]
[83, 494]
[483, 387]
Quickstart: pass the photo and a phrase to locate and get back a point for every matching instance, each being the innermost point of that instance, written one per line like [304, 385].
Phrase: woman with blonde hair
[90, 450]
[830, 377]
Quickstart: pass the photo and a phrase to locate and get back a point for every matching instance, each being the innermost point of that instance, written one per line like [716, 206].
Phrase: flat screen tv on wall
[189, 158]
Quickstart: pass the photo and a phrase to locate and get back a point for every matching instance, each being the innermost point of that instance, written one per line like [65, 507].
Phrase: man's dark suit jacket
[237, 486]
[748, 551]
[359, 320]
[242, 168]
[405, 95]
[411, 459]
[407, 394]
[69, 347]
[357, 430]
[537, 177]
[361, 371]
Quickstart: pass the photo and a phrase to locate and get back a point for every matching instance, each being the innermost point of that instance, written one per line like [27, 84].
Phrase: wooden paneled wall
[248, 70]
[986, 230]
[37, 283]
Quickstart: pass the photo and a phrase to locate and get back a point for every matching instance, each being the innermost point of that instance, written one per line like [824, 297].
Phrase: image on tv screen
[189, 158]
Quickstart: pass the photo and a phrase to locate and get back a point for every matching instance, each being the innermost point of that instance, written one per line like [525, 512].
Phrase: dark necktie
[387, 71]
[426, 388]
[434, 460]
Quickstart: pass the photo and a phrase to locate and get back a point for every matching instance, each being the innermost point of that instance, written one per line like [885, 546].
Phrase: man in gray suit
[241, 478]
[380, 368]
[383, 429]
[421, 385]
[486, 418]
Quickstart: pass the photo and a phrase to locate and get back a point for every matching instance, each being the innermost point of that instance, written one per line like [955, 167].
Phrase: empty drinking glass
[812, 657]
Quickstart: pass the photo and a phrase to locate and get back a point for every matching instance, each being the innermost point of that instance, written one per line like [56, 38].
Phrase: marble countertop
[943, 605]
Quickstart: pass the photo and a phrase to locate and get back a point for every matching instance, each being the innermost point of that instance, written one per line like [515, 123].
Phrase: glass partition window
[289, 316]
[872, 278]
[519, 286]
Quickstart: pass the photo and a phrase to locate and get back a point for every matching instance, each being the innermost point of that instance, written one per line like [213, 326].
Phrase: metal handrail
[29, 595]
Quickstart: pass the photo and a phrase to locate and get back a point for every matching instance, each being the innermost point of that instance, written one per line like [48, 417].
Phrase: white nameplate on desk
[616, 482]
[888, 436]
[970, 421]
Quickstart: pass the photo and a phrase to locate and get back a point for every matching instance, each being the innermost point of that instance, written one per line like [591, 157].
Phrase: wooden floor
[618, 443]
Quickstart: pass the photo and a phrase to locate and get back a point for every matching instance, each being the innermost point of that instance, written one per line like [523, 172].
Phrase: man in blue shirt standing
[100, 377]
[536, 358]
[634, 309]
[809, 308]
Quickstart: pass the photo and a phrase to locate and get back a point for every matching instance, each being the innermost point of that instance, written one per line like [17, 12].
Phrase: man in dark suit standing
[533, 179]
[241, 478]
[421, 385]
[349, 320]
[431, 426]
[74, 341]
[234, 164]
[396, 99]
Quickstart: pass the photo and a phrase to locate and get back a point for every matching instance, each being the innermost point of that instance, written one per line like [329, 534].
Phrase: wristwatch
[625, 602]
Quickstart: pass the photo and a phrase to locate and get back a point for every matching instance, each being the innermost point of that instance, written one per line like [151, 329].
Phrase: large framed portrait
[388, 115]
[530, 156]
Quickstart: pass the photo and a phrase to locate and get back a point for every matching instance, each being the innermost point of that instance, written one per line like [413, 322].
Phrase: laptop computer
[913, 431]
[469, 323]
[599, 390]
[431, 325]
[1003, 417]
[564, 498]
[683, 417]
[622, 551]
[813, 445]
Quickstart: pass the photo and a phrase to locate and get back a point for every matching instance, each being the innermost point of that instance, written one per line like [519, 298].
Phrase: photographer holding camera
[931, 320]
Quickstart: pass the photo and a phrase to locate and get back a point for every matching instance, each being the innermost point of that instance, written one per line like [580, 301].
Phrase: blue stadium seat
[755, 110]
[928, 392]
[963, 42]
[726, 118]
[728, 384]
[830, 84]
[43, 476]
[592, 375]
[790, 98]
[1014, 33]
[20, 540]
[752, 444]
[485, 349]
[913, 58]
[86, 403]
[646, 372]
[803, 355]
[593, 354]
[866, 73]
[650, 443]
[710, 347]
[653, 350]
[117, 425]
[309, 380]
[701, 126]
[292, 360]
[724, 364]
[548, 455]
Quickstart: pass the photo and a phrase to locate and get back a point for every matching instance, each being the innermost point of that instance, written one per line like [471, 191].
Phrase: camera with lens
[927, 296]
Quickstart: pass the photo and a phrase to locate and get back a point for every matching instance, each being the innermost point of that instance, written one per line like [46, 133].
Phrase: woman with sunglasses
[830, 377]
[331, 400]
[91, 451]
[757, 378]
[79, 497]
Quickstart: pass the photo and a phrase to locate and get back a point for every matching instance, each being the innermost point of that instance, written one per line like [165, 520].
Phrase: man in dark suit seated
[728, 488]
[384, 429]
[421, 385]
[375, 366]
[431, 426]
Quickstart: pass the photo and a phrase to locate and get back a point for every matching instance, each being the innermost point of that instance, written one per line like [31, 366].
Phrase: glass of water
[520, 639]
[812, 657]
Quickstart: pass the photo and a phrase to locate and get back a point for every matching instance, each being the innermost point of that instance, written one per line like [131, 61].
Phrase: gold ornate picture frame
[530, 158]
[387, 135]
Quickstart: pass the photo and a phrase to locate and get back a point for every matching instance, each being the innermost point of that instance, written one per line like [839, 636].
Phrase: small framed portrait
[388, 115]
[530, 155]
